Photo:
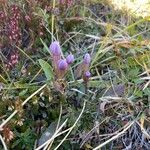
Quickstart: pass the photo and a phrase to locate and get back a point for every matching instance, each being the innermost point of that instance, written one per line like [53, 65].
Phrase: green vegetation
[98, 98]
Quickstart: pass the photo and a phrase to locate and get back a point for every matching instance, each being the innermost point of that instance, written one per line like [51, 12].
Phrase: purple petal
[70, 59]
[55, 48]
[62, 64]
[87, 58]
[87, 74]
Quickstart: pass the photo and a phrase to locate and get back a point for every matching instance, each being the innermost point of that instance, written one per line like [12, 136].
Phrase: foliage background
[113, 113]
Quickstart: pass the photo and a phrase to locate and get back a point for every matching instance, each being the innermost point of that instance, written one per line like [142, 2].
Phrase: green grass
[110, 111]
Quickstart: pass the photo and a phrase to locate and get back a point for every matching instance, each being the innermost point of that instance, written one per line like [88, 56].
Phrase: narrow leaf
[47, 69]
[45, 46]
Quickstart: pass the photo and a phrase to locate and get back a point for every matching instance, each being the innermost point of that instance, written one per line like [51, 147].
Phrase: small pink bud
[41, 34]
[13, 57]
[14, 62]
[27, 18]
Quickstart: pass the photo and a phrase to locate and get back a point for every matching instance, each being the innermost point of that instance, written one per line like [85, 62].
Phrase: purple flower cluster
[10, 23]
[10, 31]
[60, 65]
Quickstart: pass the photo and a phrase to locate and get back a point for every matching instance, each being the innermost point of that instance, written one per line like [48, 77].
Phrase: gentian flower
[87, 74]
[55, 48]
[70, 59]
[62, 64]
[87, 59]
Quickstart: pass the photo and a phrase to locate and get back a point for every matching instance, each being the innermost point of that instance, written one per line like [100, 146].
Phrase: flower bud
[70, 59]
[55, 48]
[87, 74]
[87, 58]
[27, 18]
[62, 64]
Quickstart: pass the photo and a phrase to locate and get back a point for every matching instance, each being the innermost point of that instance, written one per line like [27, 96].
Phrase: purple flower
[70, 59]
[62, 64]
[55, 48]
[87, 74]
[87, 58]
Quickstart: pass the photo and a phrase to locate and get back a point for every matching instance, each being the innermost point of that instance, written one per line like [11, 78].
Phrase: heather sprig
[14, 32]
[66, 3]
[61, 65]
[13, 60]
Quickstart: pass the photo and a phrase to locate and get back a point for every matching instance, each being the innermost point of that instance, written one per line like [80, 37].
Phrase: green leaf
[49, 132]
[45, 46]
[133, 73]
[47, 69]
[22, 93]
[147, 91]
